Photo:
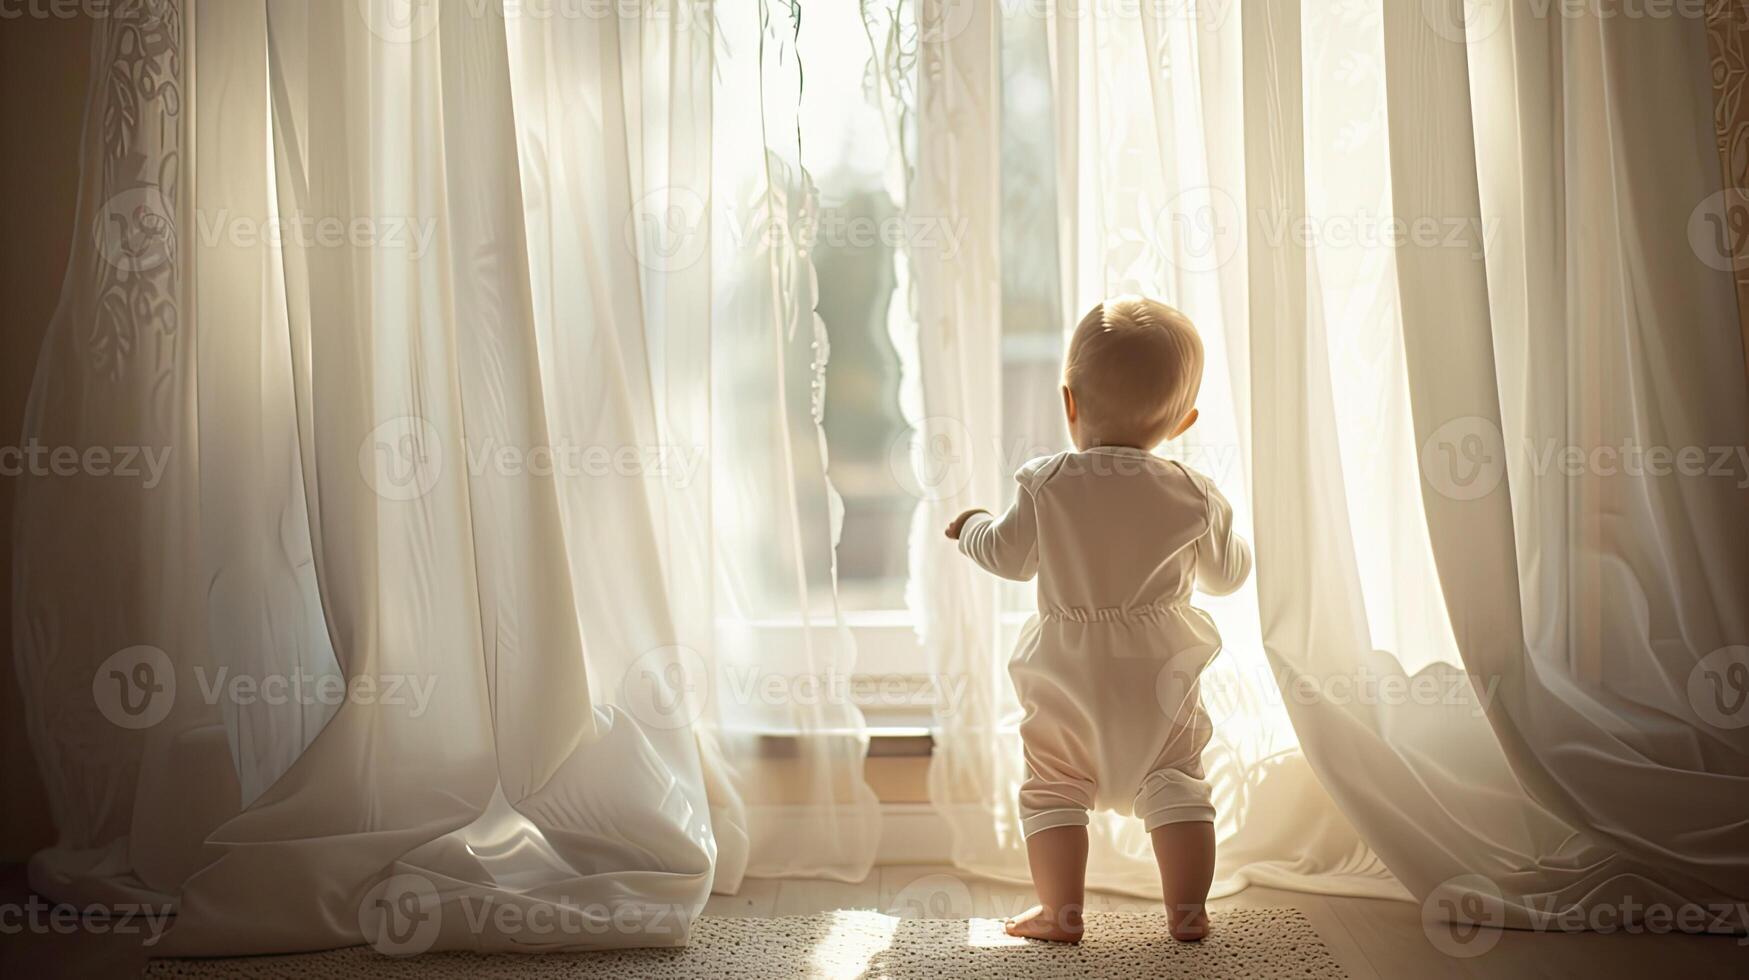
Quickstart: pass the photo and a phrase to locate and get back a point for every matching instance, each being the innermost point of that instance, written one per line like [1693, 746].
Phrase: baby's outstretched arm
[1007, 546]
[1223, 557]
[957, 524]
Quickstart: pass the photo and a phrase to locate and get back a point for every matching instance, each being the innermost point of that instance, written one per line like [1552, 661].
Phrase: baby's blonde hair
[1134, 366]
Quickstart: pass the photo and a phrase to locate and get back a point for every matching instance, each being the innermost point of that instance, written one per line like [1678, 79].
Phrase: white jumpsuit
[1107, 670]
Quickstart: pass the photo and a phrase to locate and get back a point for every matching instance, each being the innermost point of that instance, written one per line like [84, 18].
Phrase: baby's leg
[1175, 807]
[1186, 855]
[1054, 801]
[1058, 857]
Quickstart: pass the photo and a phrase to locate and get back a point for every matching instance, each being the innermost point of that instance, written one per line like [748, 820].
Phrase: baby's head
[1131, 375]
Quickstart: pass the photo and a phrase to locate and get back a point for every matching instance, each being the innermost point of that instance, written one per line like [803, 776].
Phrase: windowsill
[887, 738]
[887, 649]
[879, 619]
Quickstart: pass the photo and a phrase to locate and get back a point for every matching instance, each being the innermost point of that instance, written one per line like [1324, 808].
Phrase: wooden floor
[1370, 938]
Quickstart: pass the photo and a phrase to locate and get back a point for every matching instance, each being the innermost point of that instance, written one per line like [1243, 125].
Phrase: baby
[1107, 669]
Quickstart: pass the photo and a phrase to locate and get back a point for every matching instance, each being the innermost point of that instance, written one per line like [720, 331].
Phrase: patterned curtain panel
[1719, 228]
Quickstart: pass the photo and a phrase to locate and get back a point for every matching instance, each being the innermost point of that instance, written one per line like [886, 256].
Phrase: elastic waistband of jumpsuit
[1113, 614]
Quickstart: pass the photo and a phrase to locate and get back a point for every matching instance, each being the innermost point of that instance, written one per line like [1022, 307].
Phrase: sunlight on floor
[988, 933]
[848, 941]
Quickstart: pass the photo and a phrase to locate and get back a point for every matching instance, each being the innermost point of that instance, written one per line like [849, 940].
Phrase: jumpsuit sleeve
[1223, 557]
[1007, 546]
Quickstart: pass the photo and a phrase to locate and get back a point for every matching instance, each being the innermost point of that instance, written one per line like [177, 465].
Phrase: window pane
[846, 151]
[845, 148]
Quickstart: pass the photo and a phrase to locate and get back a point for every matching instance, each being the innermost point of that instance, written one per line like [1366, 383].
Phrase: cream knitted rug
[1250, 942]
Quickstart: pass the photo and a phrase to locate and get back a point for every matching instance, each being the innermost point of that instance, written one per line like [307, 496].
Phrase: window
[847, 153]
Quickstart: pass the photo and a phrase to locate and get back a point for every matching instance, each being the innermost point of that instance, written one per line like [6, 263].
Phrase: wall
[44, 69]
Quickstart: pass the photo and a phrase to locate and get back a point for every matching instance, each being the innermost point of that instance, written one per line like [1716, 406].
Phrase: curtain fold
[1614, 338]
[779, 636]
[482, 581]
[444, 642]
[939, 77]
[431, 569]
[1134, 147]
[118, 347]
[1417, 292]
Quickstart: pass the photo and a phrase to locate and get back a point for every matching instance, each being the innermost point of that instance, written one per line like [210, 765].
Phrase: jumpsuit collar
[1120, 450]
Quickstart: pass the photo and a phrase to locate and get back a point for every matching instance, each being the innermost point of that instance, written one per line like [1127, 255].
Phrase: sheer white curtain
[1614, 335]
[1577, 602]
[1132, 151]
[1374, 249]
[432, 310]
[491, 560]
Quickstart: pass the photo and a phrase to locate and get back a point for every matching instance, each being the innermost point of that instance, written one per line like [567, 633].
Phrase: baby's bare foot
[1036, 923]
[1189, 926]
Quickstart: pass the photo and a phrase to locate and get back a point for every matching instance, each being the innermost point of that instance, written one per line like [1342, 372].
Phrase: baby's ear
[1184, 426]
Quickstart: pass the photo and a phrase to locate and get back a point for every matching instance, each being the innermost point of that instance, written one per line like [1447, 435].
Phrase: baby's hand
[953, 528]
